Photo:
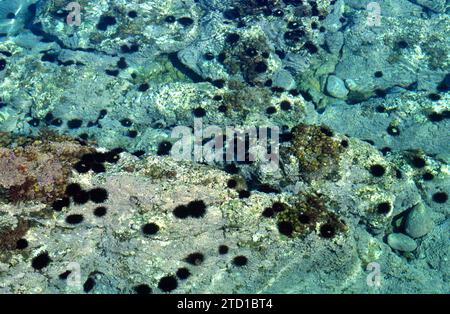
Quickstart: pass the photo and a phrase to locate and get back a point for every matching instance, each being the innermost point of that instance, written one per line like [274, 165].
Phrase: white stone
[336, 87]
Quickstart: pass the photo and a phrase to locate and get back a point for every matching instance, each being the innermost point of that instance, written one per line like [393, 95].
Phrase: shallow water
[252, 146]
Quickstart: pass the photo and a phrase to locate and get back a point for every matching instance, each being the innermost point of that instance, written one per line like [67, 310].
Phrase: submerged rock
[96, 196]
[401, 242]
[418, 223]
[336, 87]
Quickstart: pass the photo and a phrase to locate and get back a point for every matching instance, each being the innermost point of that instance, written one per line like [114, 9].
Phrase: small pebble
[336, 87]
[401, 242]
[418, 222]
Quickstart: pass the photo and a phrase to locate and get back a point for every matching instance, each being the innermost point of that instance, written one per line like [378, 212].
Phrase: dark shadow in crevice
[173, 58]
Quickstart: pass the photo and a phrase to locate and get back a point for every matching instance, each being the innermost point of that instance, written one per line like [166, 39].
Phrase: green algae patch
[317, 151]
[310, 214]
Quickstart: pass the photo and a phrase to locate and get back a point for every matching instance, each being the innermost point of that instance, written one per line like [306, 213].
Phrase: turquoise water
[253, 146]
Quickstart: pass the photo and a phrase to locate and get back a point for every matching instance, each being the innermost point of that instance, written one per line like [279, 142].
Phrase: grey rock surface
[125, 257]
[364, 157]
[15, 23]
[418, 222]
[284, 80]
[336, 87]
[434, 5]
[370, 120]
[379, 49]
[401, 242]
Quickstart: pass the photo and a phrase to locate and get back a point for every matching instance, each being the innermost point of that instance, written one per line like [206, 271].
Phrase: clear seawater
[139, 80]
